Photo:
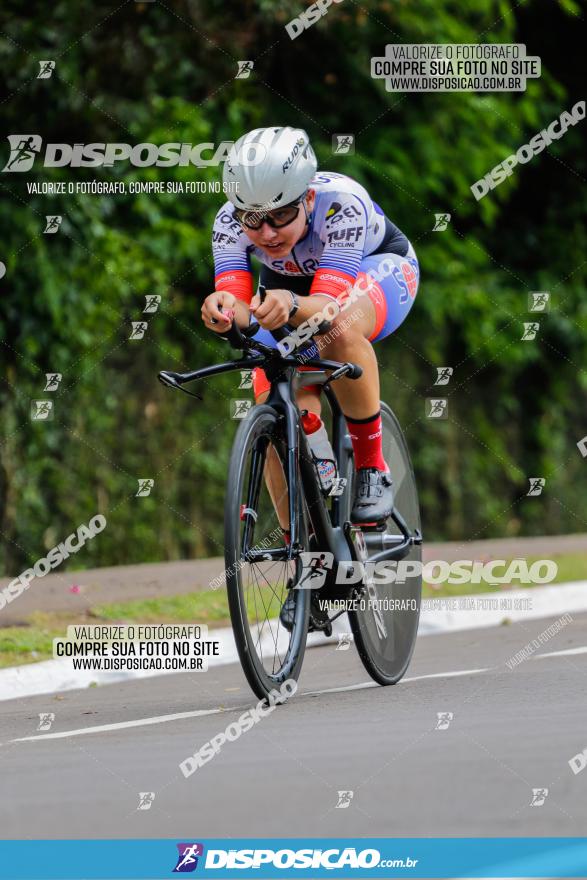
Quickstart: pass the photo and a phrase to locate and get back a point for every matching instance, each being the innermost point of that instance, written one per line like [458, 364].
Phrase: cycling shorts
[390, 280]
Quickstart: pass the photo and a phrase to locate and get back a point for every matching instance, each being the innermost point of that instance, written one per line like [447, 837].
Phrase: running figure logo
[53, 222]
[244, 69]
[138, 329]
[343, 143]
[315, 568]
[46, 69]
[538, 301]
[536, 485]
[441, 222]
[24, 149]
[444, 374]
[145, 486]
[152, 302]
[344, 799]
[438, 409]
[187, 860]
[53, 380]
[42, 410]
[146, 799]
[530, 330]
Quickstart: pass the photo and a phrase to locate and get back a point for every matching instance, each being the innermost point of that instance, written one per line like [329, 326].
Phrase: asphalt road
[512, 731]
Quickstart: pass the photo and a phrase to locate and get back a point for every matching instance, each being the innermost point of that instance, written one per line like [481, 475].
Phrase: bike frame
[332, 533]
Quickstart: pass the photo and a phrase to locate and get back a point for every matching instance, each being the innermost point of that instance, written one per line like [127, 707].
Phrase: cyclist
[321, 239]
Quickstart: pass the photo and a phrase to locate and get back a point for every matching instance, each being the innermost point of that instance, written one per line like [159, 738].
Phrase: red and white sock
[366, 436]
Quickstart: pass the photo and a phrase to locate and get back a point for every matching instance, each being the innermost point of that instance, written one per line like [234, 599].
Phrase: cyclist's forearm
[310, 305]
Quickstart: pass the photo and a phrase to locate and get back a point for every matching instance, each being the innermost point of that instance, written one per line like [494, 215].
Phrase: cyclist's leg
[387, 285]
[376, 312]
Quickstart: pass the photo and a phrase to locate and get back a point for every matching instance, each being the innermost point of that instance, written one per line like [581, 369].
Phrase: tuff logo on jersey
[349, 233]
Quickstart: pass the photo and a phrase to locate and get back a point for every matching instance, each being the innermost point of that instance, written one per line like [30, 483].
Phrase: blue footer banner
[552, 857]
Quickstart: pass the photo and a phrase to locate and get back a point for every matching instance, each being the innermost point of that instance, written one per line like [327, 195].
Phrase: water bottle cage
[316, 462]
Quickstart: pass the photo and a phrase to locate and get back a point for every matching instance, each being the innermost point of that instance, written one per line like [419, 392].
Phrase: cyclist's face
[279, 242]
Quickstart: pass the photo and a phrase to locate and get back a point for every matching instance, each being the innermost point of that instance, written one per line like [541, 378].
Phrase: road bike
[353, 565]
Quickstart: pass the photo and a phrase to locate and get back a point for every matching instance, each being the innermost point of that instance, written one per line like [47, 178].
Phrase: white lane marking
[368, 684]
[162, 719]
[567, 653]
[121, 725]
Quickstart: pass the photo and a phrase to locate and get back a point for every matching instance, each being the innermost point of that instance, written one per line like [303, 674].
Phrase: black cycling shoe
[287, 615]
[373, 496]
[319, 619]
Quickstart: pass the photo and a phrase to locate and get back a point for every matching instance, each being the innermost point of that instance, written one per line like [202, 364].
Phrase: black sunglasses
[277, 219]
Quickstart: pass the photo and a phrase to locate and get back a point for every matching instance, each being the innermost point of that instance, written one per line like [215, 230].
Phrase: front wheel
[258, 576]
[385, 623]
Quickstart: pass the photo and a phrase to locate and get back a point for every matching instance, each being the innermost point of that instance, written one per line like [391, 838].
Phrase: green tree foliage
[161, 72]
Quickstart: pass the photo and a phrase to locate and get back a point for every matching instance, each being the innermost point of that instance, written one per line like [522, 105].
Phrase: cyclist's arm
[233, 279]
[344, 235]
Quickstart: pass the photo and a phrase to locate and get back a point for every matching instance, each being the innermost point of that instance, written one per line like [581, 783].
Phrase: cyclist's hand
[274, 312]
[218, 311]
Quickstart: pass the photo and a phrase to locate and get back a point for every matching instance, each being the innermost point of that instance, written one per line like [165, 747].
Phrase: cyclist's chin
[278, 251]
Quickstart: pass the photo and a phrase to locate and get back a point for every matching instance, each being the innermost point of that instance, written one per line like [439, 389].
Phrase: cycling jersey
[345, 226]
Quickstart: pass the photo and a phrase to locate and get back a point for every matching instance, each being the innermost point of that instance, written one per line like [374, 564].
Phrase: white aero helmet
[272, 167]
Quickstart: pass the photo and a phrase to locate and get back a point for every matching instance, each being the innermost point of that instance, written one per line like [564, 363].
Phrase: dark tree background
[165, 71]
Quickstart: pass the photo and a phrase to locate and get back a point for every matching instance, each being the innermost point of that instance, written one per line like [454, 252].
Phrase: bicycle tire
[259, 427]
[387, 666]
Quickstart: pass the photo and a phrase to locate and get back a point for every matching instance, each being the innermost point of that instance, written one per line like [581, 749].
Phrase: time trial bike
[330, 566]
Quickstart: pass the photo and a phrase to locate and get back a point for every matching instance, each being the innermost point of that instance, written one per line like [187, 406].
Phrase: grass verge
[34, 641]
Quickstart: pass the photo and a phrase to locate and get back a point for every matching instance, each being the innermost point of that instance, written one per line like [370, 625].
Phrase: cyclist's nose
[269, 233]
